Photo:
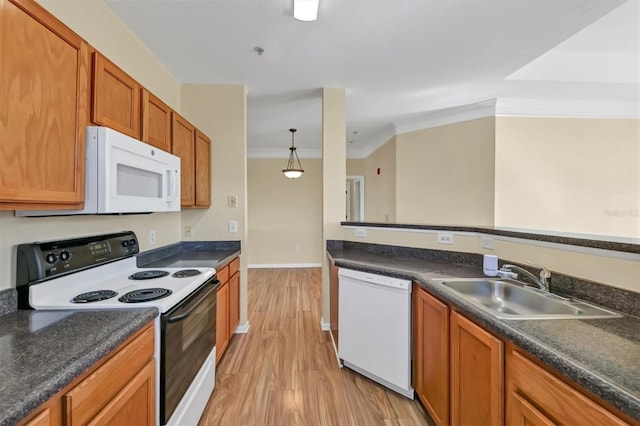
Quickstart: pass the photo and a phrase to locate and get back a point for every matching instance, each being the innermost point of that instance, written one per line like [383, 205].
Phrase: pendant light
[293, 172]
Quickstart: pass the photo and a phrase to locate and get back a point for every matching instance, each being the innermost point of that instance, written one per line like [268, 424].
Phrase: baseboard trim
[283, 265]
[242, 328]
[324, 326]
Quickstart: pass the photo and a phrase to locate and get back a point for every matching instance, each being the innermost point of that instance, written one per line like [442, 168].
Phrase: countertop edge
[594, 383]
[75, 368]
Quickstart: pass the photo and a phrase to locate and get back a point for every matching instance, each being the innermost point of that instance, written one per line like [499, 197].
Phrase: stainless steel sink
[509, 299]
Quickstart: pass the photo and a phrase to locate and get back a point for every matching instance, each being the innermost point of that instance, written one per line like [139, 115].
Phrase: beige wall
[220, 111]
[445, 175]
[615, 272]
[284, 213]
[568, 174]
[94, 21]
[380, 189]
[355, 166]
[334, 173]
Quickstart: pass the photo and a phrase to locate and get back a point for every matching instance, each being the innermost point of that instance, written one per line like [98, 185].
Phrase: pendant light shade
[294, 168]
[305, 10]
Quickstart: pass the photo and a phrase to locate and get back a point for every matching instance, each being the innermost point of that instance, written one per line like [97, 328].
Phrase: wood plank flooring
[284, 371]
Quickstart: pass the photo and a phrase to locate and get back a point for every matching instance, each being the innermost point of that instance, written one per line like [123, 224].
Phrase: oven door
[188, 337]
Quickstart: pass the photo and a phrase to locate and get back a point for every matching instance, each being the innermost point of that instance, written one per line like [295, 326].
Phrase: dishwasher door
[374, 328]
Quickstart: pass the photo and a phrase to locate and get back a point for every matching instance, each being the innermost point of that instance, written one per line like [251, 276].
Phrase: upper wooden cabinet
[44, 76]
[194, 149]
[202, 170]
[182, 145]
[156, 121]
[116, 98]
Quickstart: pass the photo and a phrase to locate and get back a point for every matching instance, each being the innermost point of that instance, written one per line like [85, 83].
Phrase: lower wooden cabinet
[465, 375]
[477, 374]
[431, 354]
[227, 305]
[119, 390]
[333, 302]
[535, 396]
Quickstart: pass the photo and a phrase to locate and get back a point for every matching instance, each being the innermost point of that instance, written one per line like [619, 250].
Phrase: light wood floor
[284, 371]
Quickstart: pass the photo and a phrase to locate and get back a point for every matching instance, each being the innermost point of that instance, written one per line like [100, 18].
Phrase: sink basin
[508, 299]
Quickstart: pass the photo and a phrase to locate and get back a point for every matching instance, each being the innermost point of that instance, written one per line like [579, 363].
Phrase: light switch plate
[232, 201]
[361, 232]
[233, 226]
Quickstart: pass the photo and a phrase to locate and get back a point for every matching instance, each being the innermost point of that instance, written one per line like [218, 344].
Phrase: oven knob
[65, 255]
[125, 243]
[132, 242]
[51, 258]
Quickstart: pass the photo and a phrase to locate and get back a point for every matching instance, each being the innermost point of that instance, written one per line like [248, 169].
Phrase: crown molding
[446, 116]
[566, 108]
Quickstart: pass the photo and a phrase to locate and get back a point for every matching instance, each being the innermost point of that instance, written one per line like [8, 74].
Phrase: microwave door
[136, 181]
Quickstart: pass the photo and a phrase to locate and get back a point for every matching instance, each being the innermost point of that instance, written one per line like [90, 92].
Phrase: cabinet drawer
[234, 266]
[549, 396]
[88, 398]
[223, 274]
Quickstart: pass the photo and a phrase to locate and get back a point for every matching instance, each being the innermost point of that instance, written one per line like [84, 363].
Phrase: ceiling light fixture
[305, 10]
[291, 171]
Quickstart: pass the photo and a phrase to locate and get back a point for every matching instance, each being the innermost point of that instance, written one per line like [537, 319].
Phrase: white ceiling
[396, 58]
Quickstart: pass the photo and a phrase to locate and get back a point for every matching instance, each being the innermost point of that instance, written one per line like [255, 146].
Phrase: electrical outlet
[445, 238]
[486, 242]
[361, 232]
[232, 201]
[152, 236]
[298, 247]
[188, 231]
[233, 226]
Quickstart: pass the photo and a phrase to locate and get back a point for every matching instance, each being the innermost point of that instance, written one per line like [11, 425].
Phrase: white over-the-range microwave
[124, 175]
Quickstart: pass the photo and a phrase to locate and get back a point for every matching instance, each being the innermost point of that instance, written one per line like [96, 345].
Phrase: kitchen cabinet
[234, 295]
[156, 121]
[182, 144]
[115, 98]
[120, 389]
[477, 374]
[431, 354]
[535, 396]
[194, 149]
[227, 305]
[202, 170]
[333, 302]
[44, 79]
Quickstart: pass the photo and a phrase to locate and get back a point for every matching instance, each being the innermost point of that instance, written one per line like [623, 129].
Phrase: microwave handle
[172, 184]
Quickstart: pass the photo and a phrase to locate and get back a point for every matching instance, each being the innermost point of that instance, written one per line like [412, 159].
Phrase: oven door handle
[171, 320]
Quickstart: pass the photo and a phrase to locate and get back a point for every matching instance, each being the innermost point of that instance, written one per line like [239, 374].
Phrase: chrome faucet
[542, 282]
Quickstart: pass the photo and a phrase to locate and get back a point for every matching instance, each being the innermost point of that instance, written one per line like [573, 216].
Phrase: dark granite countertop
[191, 254]
[602, 355]
[41, 352]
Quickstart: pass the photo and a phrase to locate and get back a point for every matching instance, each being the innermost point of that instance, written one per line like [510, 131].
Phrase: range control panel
[40, 261]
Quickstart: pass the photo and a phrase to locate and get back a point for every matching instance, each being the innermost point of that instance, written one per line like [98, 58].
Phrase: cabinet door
[477, 374]
[156, 121]
[86, 400]
[44, 75]
[203, 170]
[116, 98]
[529, 385]
[182, 145]
[333, 302]
[525, 414]
[431, 354]
[234, 303]
[134, 404]
[222, 320]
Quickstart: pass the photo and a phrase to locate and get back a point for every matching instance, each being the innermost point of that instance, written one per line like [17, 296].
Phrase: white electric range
[100, 272]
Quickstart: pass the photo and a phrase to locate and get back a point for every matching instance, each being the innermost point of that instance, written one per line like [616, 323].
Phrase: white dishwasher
[374, 328]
